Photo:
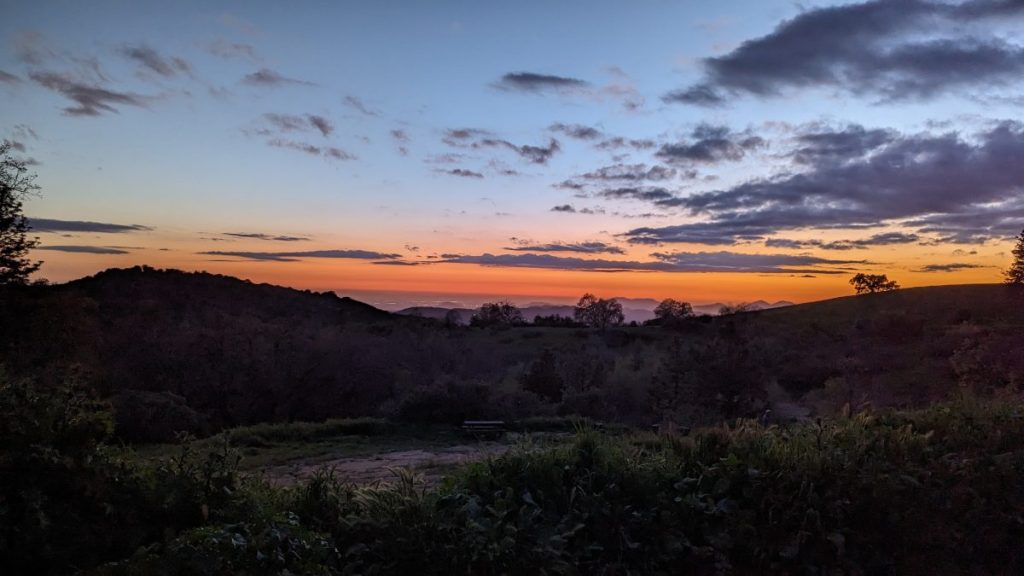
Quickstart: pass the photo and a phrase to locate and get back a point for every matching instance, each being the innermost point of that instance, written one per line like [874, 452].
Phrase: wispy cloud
[153, 61]
[84, 249]
[267, 78]
[534, 82]
[51, 225]
[297, 256]
[89, 99]
[270, 237]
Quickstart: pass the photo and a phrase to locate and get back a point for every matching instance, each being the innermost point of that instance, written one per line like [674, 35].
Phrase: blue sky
[198, 120]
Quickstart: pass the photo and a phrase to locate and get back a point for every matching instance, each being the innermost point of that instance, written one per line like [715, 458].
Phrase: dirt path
[432, 464]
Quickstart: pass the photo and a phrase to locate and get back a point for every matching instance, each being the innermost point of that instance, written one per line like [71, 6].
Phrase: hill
[194, 351]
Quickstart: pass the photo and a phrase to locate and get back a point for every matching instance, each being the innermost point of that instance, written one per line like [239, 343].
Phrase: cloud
[533, 154]
[654, 194]
[8, 78]
[882, 239]
[150, 59]
[228, 50]
[913, 49]
[267, 78]
[90, 100]
[631, 173]
[311, 149]
[699, 94]
[357, 105]
[618, 142]
[710, 144]
[577, 131]
[964, 190]
[666, 262]
[580, 247]
[51, 225]
[462, 173]
[320, 123]
[262, 236]
[84, 249]
[533, 82]
[954, 267]
[563, 208]
[478, 139]
[296, 256]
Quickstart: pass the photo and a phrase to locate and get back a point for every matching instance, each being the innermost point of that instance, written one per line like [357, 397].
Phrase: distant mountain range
[634, 309]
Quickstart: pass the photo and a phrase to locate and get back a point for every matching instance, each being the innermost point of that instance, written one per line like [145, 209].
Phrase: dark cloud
[533, 82]
[51, 225]
[296, 256]
[563, 208]
[848, 144]
[578, 247]
[356, 104]
[267, 78]
[954, 267]
[881, 239]
[912, 49]
[577, 131]
[664, 262]
[710, 144]
[262, 236]
[463, 173]
[152, 60]
[962, 190]
[89, 99]
[631, 173]
[338, 154]
[85, 249]
[15, 145]
[9, 78]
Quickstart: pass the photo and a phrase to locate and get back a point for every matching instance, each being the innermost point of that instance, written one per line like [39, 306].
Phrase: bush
[143, 416]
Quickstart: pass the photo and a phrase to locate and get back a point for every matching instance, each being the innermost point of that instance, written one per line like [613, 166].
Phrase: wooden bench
[485, 428]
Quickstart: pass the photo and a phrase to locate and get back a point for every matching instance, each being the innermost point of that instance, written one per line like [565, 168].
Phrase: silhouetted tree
[15, 185]
[1015, 273]
[671, 312]
[871, 283]
[598, 312]
[543, 379]
[555, 320]
[497, 314]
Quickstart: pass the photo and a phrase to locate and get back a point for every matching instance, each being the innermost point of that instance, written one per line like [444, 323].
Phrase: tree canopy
[871, 283]
[497, 314]
[598, 312]
[15, 185]
[1015, 273]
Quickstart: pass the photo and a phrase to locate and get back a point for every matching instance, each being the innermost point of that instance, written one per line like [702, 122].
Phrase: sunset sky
[423, 152]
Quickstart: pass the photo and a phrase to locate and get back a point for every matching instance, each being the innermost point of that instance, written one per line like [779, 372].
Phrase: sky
[413, 153]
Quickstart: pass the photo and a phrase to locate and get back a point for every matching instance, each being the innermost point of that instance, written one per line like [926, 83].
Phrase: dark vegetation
[926, 492]
[175, 351]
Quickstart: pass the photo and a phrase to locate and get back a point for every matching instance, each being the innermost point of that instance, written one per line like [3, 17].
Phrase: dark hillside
[898, 348]
[195, 351]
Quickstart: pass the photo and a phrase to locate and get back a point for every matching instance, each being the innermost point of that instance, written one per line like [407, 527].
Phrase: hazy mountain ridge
[634, 309]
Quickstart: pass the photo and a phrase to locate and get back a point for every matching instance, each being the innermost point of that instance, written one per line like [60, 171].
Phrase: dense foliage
[936, 491]
[1015, 273]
